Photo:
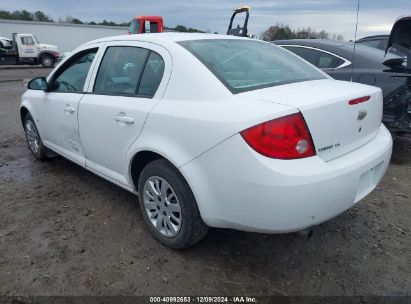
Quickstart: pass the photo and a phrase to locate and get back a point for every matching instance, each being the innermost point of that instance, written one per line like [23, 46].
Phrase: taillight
[286, 137]
[359, 100]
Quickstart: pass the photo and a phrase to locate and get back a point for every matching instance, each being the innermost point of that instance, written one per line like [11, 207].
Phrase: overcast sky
[334, 16]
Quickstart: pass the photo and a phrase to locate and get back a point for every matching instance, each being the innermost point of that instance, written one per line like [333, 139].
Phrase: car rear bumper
[238, 188]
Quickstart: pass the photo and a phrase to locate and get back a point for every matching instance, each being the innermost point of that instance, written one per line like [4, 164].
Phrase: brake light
[286, 137]
[359, 100]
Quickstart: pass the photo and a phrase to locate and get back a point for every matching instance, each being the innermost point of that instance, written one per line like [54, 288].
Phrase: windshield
[244, 65]
[134, 26]
[36, 40]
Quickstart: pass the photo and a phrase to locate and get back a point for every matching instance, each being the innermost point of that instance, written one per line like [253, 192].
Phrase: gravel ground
[65, 231]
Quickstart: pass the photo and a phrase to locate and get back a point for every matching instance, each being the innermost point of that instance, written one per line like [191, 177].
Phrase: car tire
[34, 142]
[170, 213]
[47, 61]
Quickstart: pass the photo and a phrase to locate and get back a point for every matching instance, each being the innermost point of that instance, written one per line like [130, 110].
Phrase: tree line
[25, 15]
[43, 17]
[278, 31]
[282, 31]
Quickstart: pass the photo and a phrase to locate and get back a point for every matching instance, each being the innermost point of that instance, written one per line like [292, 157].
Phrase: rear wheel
[168, 206]
[47, 61]
[33, 138]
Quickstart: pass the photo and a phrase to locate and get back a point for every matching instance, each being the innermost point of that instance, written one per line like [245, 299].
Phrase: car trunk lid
[337, 127]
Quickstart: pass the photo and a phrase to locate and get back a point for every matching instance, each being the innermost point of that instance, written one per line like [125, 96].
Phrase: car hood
[49, 47]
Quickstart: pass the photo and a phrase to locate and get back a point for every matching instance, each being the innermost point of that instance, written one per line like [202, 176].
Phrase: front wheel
[47, 61]
[169, 208]
[33, 138]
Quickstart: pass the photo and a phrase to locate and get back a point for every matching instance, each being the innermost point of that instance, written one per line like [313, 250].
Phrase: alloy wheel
[32, 136]
[162, 206]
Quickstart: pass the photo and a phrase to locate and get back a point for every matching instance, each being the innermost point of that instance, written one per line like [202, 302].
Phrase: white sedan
[211, 130]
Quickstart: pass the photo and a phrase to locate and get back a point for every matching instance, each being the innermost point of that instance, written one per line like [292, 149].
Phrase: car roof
[375, 37]
[165, 37]
[317, 42]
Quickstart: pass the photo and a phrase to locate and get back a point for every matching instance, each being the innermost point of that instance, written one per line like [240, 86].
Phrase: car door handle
[68, 109]
[122, 118]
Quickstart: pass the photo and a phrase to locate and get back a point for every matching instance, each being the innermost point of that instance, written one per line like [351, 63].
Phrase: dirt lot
[65, 231]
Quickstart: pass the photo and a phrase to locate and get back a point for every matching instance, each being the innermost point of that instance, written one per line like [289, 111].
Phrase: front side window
[72, 77]
[27, 41]
[129, 71]
[244, 65]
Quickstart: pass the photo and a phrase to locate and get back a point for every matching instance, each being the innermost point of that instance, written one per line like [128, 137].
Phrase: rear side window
[371, 43]
[152, 75]
[120, 70]
[153, 27]
[129, 71]
[318, 58]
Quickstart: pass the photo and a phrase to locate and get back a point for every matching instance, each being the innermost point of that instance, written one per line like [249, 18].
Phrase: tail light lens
[286, 137]
[359, 100]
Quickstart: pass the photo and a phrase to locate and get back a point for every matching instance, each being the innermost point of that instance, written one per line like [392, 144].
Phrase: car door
[130, 80]
[27, 47]
[59, 107]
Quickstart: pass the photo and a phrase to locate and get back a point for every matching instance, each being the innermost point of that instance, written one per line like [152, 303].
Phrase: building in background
[66, 36]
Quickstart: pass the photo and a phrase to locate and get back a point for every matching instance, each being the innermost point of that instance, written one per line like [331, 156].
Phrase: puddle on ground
[18, 170]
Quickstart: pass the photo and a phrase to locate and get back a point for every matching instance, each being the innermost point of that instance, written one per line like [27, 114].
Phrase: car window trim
[343, 65]
[64, 67]
[121, 95]
[139, 79]
[142, 72]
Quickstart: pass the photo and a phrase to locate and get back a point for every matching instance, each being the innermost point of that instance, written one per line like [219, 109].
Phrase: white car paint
[194, 121]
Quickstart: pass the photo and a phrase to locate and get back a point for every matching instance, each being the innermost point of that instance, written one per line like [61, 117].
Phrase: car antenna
[355, 41]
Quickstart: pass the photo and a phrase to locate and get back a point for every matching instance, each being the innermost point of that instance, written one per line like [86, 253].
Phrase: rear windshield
[245, 65]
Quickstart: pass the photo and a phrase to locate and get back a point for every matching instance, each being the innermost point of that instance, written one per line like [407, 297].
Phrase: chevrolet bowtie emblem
[361, 115]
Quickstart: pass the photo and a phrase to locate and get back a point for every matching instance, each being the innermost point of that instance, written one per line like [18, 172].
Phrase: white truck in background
[26, 49]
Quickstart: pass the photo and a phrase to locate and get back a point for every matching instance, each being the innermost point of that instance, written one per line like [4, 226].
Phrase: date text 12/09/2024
[201, 299]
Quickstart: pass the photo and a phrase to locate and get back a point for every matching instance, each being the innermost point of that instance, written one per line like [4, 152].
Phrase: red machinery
[146, 24]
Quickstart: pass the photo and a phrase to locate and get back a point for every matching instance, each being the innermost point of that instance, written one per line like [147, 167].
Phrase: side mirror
[394, 63]
[39, 83]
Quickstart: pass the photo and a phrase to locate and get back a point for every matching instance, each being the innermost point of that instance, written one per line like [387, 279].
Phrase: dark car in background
[377, 41]
[369, 66]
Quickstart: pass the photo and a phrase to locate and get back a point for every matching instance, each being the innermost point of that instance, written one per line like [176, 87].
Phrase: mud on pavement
[65, 231]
